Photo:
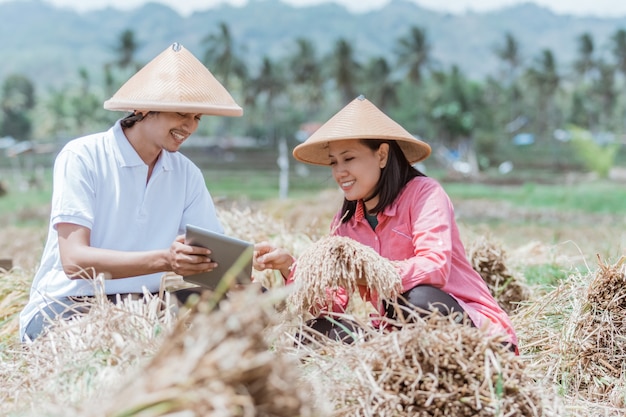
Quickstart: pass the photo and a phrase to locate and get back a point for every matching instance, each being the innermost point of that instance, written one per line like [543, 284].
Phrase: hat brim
[317, 153]
[360, 120]
[201, 108]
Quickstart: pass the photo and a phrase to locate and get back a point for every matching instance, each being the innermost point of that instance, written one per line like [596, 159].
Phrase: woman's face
[356, 168]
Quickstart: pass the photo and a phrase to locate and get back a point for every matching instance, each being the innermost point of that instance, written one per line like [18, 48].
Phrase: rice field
[241, 357]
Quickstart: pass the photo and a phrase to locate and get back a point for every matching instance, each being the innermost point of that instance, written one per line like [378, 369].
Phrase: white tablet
[228, 252]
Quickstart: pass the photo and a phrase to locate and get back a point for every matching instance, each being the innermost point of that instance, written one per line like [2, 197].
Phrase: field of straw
[248, 354]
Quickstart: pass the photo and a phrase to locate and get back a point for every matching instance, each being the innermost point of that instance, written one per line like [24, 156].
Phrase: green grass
[547, 275]
[597, 197]
[264, 184]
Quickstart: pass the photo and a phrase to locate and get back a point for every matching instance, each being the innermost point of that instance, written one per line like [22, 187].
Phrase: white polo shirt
[100, 183]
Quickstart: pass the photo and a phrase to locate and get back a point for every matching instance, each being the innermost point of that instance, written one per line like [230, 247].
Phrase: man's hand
[188, 260]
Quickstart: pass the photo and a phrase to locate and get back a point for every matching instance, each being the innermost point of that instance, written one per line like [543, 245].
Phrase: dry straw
[335, 262]
[433, 367]
[217, 363]
[575, 335]
[78, 359]
[489, 259]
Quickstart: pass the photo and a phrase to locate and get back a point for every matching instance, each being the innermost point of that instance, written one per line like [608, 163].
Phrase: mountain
[50, 44]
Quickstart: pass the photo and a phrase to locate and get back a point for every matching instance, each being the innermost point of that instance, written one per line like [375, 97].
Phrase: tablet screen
[227, 251]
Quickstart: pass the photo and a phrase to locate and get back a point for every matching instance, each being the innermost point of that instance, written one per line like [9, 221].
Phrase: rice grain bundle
[434, 367]
[217, 363]
[488, 258]
[596, 346]
[336, 262]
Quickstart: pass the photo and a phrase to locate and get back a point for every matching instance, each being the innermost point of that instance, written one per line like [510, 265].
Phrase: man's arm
[80, 260]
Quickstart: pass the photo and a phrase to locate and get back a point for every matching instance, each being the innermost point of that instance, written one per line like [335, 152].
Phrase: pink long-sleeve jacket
[420, 232]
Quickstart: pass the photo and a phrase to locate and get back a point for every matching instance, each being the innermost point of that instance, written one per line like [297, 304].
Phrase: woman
[399, 212]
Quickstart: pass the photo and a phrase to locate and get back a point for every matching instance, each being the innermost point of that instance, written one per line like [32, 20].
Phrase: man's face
[169, 130]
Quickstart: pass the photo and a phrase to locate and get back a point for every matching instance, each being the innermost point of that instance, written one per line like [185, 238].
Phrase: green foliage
[597, 157]
[17, 100]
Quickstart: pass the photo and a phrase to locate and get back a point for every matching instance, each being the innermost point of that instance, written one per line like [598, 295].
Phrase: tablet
[227, 251]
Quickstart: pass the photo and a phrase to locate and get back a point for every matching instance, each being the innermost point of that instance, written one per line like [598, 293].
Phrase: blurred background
[524, 103]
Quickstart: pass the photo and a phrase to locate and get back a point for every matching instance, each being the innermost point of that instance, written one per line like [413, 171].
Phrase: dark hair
[131, 119]
[393, 177]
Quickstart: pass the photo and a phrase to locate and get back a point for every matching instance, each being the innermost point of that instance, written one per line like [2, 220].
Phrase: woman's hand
[267, 256]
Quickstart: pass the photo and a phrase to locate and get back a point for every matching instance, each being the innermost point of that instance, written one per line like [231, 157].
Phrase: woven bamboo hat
[360, 119]
[174, 81]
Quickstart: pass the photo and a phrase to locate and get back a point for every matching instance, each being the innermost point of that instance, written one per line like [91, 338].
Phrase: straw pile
[596, 346]
[488, 258]
[433, 367]
[217, 363]
[77, 359]
[335, 262]
[575, 334]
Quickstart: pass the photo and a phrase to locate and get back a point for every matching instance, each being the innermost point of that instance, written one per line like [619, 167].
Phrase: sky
[600, 8]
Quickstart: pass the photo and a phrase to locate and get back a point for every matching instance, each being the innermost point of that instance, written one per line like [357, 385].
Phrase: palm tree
[126, 49]
[306, 73]
[266, 90]
[585, 62]
[604, 88]
[380, 87]
[221, 56]
[619, 53]
[546, 80]
[413, 52]
[510, 54]
[619, 50]
[345, 70]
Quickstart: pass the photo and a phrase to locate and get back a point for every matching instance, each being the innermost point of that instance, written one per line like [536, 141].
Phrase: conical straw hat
[174, 81]
[360, 119]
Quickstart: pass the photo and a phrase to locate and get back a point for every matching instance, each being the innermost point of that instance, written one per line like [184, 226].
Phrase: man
[121, 198]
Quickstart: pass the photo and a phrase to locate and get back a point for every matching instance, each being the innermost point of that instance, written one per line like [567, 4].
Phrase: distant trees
[279, 93]
[17, 100]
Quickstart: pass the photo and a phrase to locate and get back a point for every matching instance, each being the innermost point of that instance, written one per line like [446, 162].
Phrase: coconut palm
[265, 90]
[545, 79]
[126, 49]
[604, 88]
[585, 62]
[221, 56]
[413, 53]
[510, 54]
[381, 88]
[619, 50]
[345, 69]
[306, 73]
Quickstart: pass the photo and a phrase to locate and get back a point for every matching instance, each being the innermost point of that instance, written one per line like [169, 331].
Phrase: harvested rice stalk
[608, 289]
[577, 332]
[433, 367]
[488, 258]
[596, 345]
[335, 262]
[217, 363]
[77, 359]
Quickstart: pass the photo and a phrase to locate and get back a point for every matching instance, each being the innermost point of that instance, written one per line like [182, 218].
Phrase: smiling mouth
[179, 136]
[347, 184]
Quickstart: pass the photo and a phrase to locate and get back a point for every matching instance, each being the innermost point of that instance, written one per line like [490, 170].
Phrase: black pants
[421, 300]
